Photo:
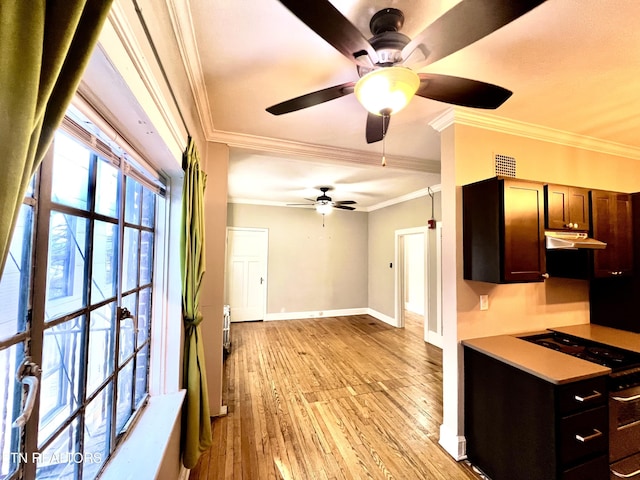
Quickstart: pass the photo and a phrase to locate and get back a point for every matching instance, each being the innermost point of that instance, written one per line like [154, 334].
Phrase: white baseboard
[382, 317]
[315, 314]
[455, 445]
[184, 473]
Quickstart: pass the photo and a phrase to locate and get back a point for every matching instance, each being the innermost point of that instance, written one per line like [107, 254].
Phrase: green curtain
[196, 431]
[44, 48]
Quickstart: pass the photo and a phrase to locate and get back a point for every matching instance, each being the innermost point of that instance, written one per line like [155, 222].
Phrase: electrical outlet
[484, 302]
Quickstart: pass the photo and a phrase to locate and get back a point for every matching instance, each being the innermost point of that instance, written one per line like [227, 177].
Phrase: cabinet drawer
[627, 468]
[596, 469]
[582, 395]
[584, 434]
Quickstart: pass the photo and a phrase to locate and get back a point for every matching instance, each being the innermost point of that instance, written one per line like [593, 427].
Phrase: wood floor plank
[335, 398]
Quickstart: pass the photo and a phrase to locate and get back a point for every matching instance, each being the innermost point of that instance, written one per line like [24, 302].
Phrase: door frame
[433, 337]
[265, 248]
[399, 283]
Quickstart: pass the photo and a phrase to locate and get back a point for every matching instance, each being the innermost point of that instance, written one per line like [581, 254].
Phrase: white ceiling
[573, 65]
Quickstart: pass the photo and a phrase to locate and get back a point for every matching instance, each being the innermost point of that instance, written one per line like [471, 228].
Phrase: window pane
[101, 334]
[142, 367]
[70, 172]
[107, 189]
[10, 402]
[125, 393]
[105, 261]
[132, 201]
[146, 257]
[15, 282]
[60, 381]
[144, 315]
[127, 331]
[61, 459]
[148, 208]
[97, 432]
[66, 283]
[130, 259]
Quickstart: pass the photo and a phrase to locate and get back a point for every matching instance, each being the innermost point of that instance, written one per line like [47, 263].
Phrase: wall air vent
[505, 166]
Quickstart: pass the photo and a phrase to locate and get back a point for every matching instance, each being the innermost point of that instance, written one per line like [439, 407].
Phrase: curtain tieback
[190, 321]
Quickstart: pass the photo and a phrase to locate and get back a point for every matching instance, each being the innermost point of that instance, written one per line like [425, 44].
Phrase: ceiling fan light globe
[387, 90]
[324, 208]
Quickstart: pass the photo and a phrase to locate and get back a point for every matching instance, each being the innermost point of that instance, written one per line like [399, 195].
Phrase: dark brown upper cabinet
[566, 208]
[503, 231]
[611, 218]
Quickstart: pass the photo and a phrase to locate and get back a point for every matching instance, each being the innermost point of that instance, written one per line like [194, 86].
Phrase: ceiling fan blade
[465, 23]
[343, 207]
[300, 204]
[324, 19]
[345, 202]
[377, 126]
[311, 99]
[461, 91]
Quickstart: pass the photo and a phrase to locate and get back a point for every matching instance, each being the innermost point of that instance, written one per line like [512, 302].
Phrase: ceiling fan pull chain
[384, 159]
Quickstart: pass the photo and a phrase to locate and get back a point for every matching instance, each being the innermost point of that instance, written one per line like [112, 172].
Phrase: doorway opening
[417, 282]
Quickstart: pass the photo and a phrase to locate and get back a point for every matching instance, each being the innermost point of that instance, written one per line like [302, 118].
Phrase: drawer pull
[593, 436]
[626, 399]
[625, 475]
[587, 398]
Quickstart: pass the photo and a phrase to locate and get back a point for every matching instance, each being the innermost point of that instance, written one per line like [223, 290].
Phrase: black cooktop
[614, 358]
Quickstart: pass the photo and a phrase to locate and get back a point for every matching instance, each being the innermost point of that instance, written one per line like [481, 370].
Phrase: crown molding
[387, 203]
[532, 131]
[404, 198]
[307, 151]
[182, 24]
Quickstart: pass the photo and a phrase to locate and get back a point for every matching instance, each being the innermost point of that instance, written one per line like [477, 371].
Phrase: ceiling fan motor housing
[387, 40]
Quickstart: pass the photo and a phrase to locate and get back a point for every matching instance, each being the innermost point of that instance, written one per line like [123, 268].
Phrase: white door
[247, 273]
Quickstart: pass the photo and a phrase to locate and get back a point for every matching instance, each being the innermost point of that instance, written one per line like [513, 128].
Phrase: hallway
[331, 398]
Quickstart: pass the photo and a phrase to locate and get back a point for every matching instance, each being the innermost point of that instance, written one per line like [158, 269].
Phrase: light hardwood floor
[331, 398]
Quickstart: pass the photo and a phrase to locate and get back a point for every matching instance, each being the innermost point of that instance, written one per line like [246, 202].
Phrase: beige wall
[212, 297]
[383, 224]
[311, 268]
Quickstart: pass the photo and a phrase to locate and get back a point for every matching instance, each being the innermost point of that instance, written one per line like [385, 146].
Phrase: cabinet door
[566, 207]
[579, 208]
[523, 231]
[557, 206]
[611, 219]
[623, 229]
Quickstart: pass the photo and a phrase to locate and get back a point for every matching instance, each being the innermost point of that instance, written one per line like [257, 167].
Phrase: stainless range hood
[571, 241]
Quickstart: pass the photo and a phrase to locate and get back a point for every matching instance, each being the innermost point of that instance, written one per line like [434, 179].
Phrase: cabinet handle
[588, 398]
[593, 436]
[626, 399]
[625, 475]
[545, 275]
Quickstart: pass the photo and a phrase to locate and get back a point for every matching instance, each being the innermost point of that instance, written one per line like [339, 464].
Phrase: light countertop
[550, 365]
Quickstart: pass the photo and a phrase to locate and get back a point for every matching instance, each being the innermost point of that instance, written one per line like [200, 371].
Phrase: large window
[76, 298]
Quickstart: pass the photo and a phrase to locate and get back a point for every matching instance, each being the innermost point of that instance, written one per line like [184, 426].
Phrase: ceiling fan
[386, 84]
[324, 204]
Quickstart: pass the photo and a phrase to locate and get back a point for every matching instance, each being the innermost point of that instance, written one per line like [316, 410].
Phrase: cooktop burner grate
[612, 357]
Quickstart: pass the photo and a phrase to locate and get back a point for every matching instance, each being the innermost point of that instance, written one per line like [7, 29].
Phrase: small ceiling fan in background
[386, 83]
[324, 204]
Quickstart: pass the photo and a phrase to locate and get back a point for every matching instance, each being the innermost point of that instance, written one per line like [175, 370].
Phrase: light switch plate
[484, 302]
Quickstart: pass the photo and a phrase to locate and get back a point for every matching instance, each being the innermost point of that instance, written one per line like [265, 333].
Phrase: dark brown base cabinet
[521, 427]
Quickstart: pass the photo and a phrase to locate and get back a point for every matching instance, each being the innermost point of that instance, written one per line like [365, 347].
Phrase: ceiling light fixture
[324, 208]
[387, 90]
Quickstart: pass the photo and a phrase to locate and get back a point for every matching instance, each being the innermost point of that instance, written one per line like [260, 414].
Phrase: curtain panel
[196, 428]
[44, 48]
